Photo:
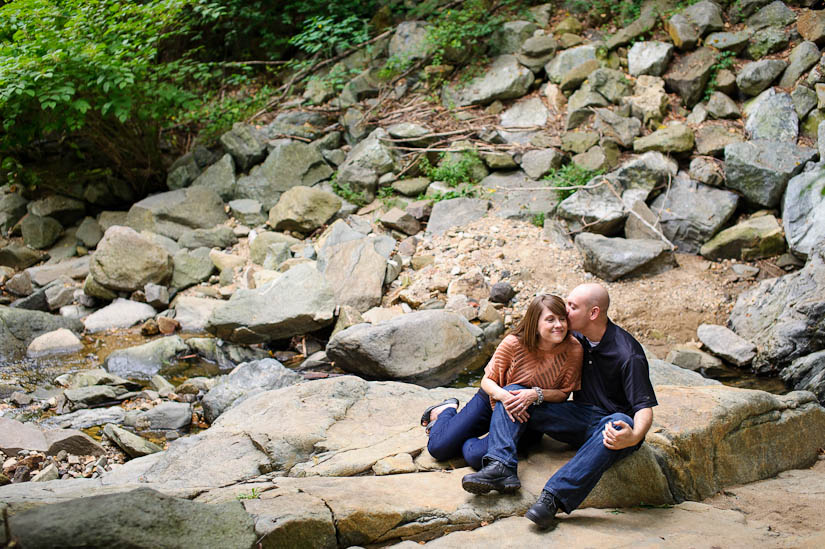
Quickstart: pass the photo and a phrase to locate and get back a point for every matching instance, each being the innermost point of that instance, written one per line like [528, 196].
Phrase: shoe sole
[538, 521]
[481, 488]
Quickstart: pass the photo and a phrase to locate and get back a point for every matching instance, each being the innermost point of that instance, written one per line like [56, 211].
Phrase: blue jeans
[458, 433]
[575, 423]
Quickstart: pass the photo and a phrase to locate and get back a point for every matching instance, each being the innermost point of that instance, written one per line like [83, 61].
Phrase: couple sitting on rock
[524, 393]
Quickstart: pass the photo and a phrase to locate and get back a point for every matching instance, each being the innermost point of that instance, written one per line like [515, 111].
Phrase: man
[607, 419]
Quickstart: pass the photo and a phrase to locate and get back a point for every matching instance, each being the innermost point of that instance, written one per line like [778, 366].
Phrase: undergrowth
[455, 171]
[723, 61]
[568, 177]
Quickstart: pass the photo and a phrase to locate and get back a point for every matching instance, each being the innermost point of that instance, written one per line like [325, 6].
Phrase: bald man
[607, 419]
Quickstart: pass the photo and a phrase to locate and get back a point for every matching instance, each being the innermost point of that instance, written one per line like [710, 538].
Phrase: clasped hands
[517, 403]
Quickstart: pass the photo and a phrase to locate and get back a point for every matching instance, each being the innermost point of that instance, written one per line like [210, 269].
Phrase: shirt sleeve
[496, 369]
[571, 377]
[637, 385]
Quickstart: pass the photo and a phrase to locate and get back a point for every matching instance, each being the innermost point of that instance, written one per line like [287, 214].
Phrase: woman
[540, 361]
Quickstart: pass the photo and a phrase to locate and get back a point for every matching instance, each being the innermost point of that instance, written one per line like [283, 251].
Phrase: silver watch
[540, 393]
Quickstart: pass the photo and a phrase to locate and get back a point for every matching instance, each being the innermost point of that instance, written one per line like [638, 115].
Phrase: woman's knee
[514, 387]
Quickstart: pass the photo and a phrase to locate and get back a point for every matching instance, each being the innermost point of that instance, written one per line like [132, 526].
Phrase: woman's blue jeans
[574, 423]
[458, 433]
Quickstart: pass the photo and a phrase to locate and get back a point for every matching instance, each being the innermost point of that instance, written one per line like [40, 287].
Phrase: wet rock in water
[144, 361]
[134, 445]
[393, 349]
[246, 380]
[614, 258]
[121, 313]
[692, 213]
[127, 261]
[783, 316]
[726, 344]
[58, 342]
[162, 386]
[803, 211]
[85, 418]
[691, 358]
[300, 301]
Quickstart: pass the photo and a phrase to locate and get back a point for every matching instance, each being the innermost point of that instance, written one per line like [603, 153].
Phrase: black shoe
[493, 476]
[543, 512]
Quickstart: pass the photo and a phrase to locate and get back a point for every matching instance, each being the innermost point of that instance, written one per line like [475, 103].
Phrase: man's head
[587, 307]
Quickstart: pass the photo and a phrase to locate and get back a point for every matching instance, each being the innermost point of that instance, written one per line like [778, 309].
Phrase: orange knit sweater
[559, 368]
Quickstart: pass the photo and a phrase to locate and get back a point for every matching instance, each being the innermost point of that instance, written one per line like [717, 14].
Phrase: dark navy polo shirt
[615, 374]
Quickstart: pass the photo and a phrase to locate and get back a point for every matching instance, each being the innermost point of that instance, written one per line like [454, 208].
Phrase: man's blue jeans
[580, 425]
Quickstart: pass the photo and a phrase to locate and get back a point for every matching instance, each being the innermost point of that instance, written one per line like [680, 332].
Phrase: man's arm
[619, 435]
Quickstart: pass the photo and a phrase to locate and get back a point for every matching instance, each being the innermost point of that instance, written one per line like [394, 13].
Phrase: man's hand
[618, 435]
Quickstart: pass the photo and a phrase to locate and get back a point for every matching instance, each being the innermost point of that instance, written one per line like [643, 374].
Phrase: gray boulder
[509, 37]
[245, 144]
[456, 212]
[62, 208]
[191, 267]
[772, 116]
[580, 106]
[409, 41]
[567, 60]
[691, 358]
[675, 138]
[127, 261]
[712, 138]
[193, 312]
[649, 103]
[803, 212]
[537, 163]
[784, 316]
[807, 373]
[760, 170]
[89, 232]
[59, 342]
[216, 237]
[40, 232]
[139, 518]
[260, 244]
[247, 211]
[722, 106]
[171, 213]
[144, 361]
[705, 16]
[367, 161]
[517, 196]
[16, 436]
[291, 164]
[649, 57]
[689, 76]
[167, 416]
[303, 209]
[775, 14]
[726, 344]
[429, 348]
[300, 301]
[121, 313]
[691, 213]
[246, 380]
[135, 446]
[75, 268]
[729, 41]
[182, 172]
[355, 260]
[612, 84]
[523, 114]
[755, 238]
[613, 258]
[599, 208]
[219, 177]
[12, 208]
[766, 41]
[85, 418]
[803, 57]
[804, 101]
[19, 327]
[620, 129]
[646, 171]
[505, 79]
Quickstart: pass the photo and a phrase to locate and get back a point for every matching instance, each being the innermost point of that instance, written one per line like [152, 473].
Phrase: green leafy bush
[88, 68]
[454, 171]
[568, 177]
[461, 28]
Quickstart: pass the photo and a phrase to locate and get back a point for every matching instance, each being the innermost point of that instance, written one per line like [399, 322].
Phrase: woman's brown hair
[527, 331]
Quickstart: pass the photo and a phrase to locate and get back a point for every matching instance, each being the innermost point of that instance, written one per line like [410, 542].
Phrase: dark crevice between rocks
[676, 495]
[332, 516]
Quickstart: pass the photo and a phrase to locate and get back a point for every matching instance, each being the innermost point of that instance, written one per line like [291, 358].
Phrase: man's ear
[594, 312]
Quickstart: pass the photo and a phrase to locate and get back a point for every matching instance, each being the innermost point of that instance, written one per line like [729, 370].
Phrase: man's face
[577, 313]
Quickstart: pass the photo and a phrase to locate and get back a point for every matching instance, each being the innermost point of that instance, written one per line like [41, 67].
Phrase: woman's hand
[518, 402]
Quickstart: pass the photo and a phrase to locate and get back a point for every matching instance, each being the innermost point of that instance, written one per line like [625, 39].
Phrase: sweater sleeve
[571, 377]
[496, 369]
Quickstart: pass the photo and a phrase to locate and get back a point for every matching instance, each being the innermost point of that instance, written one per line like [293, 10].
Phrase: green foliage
[465, 191]
[623, 12]
[254, 494]
[724, 60]
[217, 113]
[570, 175]
[359, 198]
[328, 35]
[455, 171]
[461, 28]
[538, 219]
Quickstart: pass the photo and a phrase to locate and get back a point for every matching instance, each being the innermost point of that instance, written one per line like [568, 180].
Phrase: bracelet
[541, 395]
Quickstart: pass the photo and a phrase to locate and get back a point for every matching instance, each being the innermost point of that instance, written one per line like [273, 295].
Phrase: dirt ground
[661, 311]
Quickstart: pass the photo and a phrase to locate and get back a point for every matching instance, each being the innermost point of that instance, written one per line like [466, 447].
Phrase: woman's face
[552, 327]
